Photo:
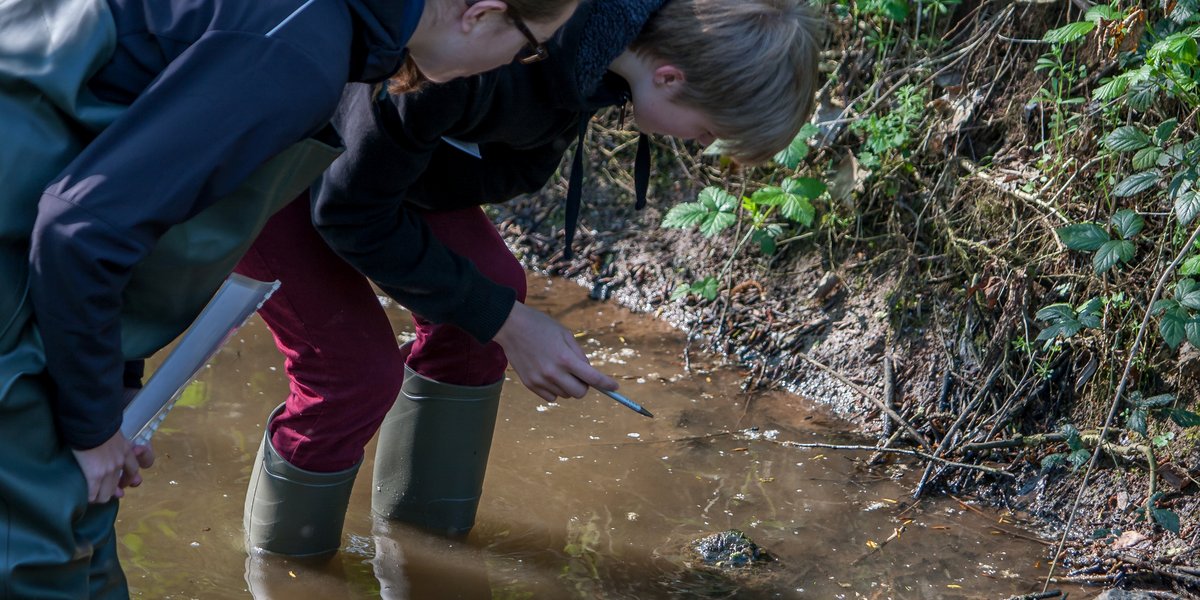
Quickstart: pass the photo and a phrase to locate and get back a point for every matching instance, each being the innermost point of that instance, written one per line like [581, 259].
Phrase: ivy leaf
[1137, 183]
[1173, 327]
[1087, 237]
[1069, 32]
[1185, 418]
[1128, 223]
[1112, 253]
[1137, 421]
[1127, 139]
[1167, 519]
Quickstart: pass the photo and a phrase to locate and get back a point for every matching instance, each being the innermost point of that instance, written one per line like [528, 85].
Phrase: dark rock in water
[729, 550]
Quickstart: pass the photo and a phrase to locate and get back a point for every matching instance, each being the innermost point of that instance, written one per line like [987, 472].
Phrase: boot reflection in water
[274, 577]
[414, 564]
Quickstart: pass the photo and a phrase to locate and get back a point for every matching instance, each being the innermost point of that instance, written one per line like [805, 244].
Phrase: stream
[584, 498]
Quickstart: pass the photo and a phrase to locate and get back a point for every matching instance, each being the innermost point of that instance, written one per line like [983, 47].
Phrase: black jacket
[522, 117]
[212, 89]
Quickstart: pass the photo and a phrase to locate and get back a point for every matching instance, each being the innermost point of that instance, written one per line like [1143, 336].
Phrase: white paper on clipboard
[237, 298]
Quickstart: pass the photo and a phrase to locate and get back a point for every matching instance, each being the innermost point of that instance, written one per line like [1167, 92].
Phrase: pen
[626, 401]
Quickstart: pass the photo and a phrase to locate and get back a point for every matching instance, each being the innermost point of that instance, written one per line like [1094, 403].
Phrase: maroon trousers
[341, 356]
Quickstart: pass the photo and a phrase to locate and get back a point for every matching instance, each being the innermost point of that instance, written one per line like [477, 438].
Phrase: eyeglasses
[534, 51]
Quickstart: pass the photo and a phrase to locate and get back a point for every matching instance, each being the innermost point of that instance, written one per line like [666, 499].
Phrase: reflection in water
[583, 499]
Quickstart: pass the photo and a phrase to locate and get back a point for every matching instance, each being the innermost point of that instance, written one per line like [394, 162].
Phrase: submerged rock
[729, 550]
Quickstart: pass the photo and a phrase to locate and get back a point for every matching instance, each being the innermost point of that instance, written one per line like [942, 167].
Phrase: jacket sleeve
[220, 109]
[360, 207]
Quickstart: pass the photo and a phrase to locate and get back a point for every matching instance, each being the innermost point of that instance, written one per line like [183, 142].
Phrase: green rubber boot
[294, 512]
[432, 454]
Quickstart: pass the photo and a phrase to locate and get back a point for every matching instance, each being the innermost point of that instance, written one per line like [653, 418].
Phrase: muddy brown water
[583, 499]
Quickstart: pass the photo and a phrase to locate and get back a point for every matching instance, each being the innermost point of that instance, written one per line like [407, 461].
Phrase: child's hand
[546, 357]
[111, 466]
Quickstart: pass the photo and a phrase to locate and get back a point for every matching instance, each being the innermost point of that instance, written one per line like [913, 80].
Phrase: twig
[1116, 403]
[854, 386]
[924, 455]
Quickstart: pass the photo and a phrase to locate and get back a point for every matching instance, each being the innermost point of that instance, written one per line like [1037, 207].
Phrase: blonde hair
[749, 65]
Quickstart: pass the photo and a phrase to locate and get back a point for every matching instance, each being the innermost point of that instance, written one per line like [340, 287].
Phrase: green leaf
[717, 222]
[1128, 223]
[1137, 183]
[1127, 139]
[1078, 458]
[1137, 421]
[1185, 418]
[1157, 401]
[1146, 158]
[1069, 32]
[685, 215]
[1179, 47]
[1173, 327]
[1187, 293]
[1111, 254]
[795, 153]
[1187, 206]
[1163, 132]
[1161, 305]
[1190, 266]
[1087, 237]
[681, 292]
[768, 196]
[1112, 89]
[1192, 329]
[1142, 94]
[1053, 460]
[1065, 329]
[717, 198]
[1103, 11]
[1167, 519]
[1056, 312]
[896, 10]
[708, 288]
[766, 242]
[806, 187]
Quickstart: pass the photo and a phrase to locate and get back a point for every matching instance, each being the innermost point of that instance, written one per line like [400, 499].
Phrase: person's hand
[112, 466]
[545, 356]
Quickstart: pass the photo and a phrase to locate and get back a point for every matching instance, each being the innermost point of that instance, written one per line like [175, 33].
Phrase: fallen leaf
[1128, 539]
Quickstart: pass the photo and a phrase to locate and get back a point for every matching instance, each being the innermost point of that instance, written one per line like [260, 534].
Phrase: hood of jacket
[382, 31]
[609, 26]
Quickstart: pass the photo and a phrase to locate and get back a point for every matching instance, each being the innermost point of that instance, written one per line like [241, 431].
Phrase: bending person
[145, 144]
[740, 70]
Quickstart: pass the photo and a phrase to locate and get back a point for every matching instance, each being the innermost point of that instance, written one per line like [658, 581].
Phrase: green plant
[1109, 252]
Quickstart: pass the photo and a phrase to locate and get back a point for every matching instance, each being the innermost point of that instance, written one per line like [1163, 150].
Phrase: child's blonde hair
[749, 65]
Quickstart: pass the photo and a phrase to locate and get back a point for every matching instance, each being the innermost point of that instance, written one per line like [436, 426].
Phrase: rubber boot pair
[432, 454]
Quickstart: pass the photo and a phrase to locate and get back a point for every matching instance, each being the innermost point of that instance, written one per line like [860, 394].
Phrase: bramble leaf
[1167, 519]
[1173, 326]
[1137, 421]
[1137, 183]
[1069, 32]
[1128, 223]
[1087, 237]
[1185, 418]
[1111, 254]
[1127, 139]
